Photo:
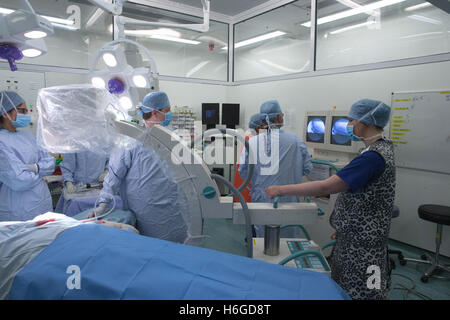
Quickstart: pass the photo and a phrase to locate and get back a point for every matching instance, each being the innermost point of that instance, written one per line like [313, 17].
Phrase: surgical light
[35, 34]
[139, 81]
[98, 82]
[31, 53]
[126, 103]
[110, 60]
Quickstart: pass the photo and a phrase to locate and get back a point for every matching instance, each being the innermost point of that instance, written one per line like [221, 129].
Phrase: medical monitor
[327, 130]
[314, 133]
[339, 135]
[210, 114]
[230, 114]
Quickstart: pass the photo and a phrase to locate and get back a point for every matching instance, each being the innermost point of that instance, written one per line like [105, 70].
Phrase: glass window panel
[200, 55]
[71, 45]
[288, 51]
[354, 32]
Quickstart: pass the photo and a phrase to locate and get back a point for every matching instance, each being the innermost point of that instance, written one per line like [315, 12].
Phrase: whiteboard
[420, 130]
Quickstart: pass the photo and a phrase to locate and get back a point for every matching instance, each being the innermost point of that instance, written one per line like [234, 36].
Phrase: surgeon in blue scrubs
[23, 165]
[145, 182]
[363, 209]
[81, 168]
[287, 165]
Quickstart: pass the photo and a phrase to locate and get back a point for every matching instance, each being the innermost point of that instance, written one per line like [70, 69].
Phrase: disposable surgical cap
[372, 112]
[255, 121]
[14, 98]
[155, 100]
[270, 108]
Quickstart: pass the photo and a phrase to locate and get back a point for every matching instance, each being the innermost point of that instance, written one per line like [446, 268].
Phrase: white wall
[341, 90]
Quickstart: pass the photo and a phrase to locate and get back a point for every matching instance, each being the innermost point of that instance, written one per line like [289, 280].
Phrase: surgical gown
[23, 194]
[147, 188]
[83, 167]
[293, 163]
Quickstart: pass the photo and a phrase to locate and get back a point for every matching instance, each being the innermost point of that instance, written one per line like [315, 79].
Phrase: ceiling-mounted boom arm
[203, 27]
[115, 7]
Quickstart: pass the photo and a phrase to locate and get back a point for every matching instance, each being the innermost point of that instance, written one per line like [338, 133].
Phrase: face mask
[166, 122]
[23, 121]
[356, 138]
[351, 134]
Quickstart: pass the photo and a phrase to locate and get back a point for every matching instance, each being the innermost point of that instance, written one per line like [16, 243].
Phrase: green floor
[435, 289]
[223, 235]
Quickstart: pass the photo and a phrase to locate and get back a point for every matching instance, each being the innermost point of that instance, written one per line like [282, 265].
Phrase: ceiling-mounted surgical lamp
[21, 34]
[120, 78]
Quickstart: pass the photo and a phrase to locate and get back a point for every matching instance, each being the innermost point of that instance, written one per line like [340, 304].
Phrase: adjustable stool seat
[441, 216]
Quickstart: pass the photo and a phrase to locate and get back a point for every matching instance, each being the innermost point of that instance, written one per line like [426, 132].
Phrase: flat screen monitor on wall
[210, 114]
[230, 115]
[315, 129]
[339, 135]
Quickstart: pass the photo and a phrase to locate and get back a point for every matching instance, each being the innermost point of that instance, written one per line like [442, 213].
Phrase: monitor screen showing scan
[315, 130]
[339, 135]
[210, 113]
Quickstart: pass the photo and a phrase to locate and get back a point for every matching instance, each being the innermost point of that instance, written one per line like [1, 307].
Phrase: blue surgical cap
[255, 121]
[155, 100]
[372, 112]
[14, 98]
[271, 108]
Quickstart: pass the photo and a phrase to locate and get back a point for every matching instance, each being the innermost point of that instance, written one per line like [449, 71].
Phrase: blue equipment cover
[116, 264]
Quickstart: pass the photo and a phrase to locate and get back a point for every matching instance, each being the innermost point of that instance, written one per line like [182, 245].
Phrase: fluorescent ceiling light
[352, 12]
[168, 38]
[53, 20]
[419, 6]
[355, 26]
[6, 11]
[282, 68]
[95, 16]
[424, 19]
[59, 20]
[196, 68]
[257, 39]
[418, 35]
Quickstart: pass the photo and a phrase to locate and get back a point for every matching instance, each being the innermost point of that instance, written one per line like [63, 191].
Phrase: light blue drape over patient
[23, 194]
[147, 188]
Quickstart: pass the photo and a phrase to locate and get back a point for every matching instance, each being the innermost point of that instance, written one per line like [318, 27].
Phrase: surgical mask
[23, 121]
[356, 138]
[351, 134]
[167, 120]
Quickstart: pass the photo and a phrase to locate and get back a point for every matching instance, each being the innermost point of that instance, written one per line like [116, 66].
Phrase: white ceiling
[226, 7]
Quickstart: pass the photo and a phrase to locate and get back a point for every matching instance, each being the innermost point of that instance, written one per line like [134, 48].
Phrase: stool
[441, 216]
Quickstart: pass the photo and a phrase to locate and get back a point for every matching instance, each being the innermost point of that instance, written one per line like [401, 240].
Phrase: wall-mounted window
[351, 32]
[79, 31]
[179, 52]
[273, 43]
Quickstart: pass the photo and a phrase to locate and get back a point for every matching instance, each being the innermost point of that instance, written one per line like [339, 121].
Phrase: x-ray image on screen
[315, 130]
[339, 135]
